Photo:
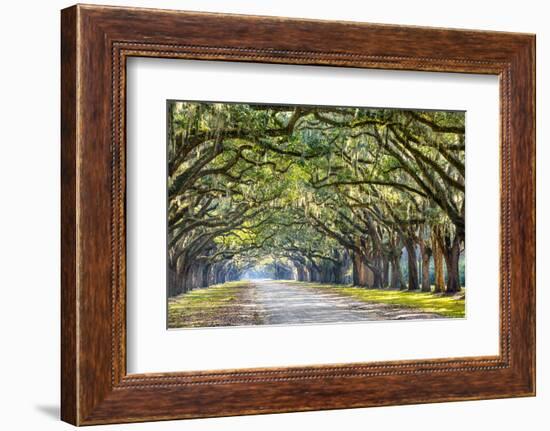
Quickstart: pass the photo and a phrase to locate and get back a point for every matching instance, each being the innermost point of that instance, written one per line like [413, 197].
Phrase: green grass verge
[201, 307]
[431, 302]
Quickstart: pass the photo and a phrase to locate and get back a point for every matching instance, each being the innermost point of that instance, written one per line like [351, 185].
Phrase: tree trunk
[411, 260]
[438, 266]
[190, 279]
[337, 273]
[360, 271]
[370, 276]
[426, 285]
[337, 267]
[377, 274]
[385, 272]
[305, 274]
[452, 256]
[184, 273]
[313, 273]
[220, 274]
[173, 280]
[395, 279]
[300, 272]
[205, 271]
[425, 255]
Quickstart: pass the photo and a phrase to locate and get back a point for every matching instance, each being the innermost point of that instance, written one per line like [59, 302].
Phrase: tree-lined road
[372, 197]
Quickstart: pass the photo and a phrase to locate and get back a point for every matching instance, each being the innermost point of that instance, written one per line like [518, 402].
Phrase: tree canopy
[333, 194]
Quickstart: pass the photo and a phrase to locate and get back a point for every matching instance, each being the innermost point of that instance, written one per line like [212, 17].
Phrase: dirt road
[288, 303]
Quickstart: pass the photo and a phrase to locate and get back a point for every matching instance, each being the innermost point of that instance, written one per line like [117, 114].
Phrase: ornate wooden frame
[95, 43]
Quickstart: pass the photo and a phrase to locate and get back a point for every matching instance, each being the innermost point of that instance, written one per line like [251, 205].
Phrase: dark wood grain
[69, 397]
[96, 41]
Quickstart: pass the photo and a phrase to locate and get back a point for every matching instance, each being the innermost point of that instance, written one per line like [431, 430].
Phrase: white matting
[153, 348]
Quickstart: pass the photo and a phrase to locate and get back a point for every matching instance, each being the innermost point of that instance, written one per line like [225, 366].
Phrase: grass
[222, 305]
[202, 307]
[430, 302]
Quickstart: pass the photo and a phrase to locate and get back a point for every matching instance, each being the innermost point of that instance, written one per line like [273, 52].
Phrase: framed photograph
[267, 215]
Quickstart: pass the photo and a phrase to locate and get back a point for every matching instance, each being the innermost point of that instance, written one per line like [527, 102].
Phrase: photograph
[301, 214]
[275, 210]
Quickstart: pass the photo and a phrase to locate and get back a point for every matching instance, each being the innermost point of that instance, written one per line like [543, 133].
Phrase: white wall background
[29, 215]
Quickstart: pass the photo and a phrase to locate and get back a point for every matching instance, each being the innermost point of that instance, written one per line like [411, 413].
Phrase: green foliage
[433, 303]
[309, 185]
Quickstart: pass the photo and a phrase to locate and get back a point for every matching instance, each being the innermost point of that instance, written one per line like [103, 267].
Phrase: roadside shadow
[52, 411]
